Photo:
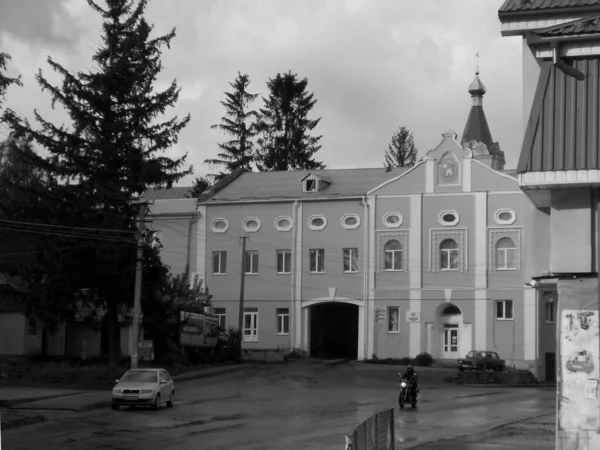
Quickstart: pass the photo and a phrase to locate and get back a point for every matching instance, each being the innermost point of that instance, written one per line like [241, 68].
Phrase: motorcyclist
[413, 378]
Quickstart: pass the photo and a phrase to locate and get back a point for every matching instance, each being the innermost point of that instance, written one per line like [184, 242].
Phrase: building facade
[362, 262]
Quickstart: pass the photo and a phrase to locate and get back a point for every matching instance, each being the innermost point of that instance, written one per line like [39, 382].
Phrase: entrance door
[550, 366]
[450, 342]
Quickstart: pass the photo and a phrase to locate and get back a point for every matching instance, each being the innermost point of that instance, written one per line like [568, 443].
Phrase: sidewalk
[23, 401]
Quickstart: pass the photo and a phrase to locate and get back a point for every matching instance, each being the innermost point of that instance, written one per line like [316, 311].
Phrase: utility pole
[242, 279]
[137, 299]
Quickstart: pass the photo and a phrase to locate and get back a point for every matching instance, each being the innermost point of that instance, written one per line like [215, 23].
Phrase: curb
[506, 385]
[11, 403]
[212, 373]
[21, 422]
[335, 362]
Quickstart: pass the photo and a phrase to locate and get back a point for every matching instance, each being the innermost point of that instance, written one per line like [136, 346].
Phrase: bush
[424, 359]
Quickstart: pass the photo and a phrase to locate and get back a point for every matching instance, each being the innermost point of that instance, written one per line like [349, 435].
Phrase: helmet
[410, 368]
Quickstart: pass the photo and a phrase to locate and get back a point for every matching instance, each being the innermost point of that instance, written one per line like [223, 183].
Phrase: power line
[69, 227]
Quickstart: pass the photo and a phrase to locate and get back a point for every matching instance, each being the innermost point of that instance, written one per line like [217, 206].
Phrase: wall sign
[413, 316]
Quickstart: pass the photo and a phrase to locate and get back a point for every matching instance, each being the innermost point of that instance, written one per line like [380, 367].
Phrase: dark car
[481, 360]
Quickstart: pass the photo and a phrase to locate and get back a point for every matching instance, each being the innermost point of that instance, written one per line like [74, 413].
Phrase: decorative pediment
[449, 143]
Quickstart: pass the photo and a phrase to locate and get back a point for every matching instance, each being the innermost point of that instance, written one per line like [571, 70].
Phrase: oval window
[220, 225]
[317, 222]
[392, 220]
[505, 215]
[283, 223]
[351, 220]
[448, 217]
[252, 223]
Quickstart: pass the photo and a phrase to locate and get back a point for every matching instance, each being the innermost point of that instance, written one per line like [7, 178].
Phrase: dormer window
[314, 183]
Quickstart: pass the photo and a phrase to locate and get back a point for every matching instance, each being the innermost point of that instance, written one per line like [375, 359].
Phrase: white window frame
[315, 184]
[388, 320]
[281, 228]
[281, 314]
[393, 225]
[394, 256]
[504, 315]
[352, 255]
[248, 229]
[222, 264]
[505, 251]
[252, 336]
[448, 224]
[497, 233]
[448, 254]
[500, 221]
[350, 227]
[251, 254]
[219, 230]
[34, 320]
[320, 256]
[221, 314]
[281, 253]
[317, 227]
[550, 311]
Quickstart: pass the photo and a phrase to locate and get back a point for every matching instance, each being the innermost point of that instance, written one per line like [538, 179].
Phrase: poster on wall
[579, 407]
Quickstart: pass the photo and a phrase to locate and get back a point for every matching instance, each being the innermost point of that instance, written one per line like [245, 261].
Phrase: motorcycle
[407, 394]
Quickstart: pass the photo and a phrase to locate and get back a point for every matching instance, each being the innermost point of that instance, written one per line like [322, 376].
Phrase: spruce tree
[112, 152]
[285, 142]
[200, 185]
[237, 122]
[6, 81]
[401, 151]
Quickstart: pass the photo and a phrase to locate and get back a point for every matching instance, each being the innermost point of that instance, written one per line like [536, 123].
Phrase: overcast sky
[373, 65]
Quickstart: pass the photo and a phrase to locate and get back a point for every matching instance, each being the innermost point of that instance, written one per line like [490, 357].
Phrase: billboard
[198, 330]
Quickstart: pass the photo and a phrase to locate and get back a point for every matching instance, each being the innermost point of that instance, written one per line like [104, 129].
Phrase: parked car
[481, 360]
[144, 387]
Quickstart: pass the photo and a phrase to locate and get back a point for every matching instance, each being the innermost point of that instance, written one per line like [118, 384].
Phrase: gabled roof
[563, 129]
[173, 193]
[585, 26]
[557, 6]
[285, 185]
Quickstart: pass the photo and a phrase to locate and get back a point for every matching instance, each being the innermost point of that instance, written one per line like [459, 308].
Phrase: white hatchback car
[144, 387]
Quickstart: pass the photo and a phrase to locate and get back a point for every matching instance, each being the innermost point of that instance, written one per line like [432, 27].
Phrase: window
[350, 221]
[504, 310]
[284, 261]
[32, 327]
[220, 225]
[505, 217]
[310, 185]
[449, 255]
[448, 218]
[392, 220]
[283, 223]
[393, 255]
[317, 260]
[350, 260]
[506, 254]
[550, 311]
[283, 321]
[393, 315]
[219, 263]
[251, 224]
[220, 313]
[250, 324]
[317, 223]
[251, 262]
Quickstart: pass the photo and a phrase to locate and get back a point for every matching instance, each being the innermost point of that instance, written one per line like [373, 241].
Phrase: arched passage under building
[334, 330]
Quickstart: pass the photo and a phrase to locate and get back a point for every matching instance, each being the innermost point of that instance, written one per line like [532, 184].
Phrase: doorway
[550, 366]
[450, 342]
[334, 330]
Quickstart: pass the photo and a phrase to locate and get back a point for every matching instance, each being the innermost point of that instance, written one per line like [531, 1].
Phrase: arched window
[506, 254]
[449, 255]
[452, 310]
[393, 255]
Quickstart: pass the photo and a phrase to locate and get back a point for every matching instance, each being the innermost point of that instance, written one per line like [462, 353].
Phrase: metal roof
[545, 5]
[588, 25]
[286, 185]
[563, 128]
[168, 194]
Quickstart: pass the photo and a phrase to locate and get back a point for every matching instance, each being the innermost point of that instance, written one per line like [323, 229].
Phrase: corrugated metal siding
[567, 129]
[532, 5]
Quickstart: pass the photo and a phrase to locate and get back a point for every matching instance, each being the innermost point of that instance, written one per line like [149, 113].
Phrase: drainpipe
[571, 71]
[293, 296]
[189, 242]
[367, 319]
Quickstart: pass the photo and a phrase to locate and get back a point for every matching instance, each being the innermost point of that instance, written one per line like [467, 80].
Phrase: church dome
[477, 88]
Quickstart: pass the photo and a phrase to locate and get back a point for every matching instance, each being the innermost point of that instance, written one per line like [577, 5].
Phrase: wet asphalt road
[302, 405]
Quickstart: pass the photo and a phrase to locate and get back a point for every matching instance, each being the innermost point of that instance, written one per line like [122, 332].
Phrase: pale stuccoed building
[362, 262]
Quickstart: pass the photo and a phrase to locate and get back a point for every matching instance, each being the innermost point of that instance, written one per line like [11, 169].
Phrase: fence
[375, 433]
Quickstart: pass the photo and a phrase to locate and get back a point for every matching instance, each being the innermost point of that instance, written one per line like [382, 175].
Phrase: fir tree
[238, 152]
[6, 81]
[111, 153]
[401, 150]
[200, 185]
[285, 142]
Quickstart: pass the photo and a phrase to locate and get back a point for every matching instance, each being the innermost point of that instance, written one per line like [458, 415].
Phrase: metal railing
[375, 433]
